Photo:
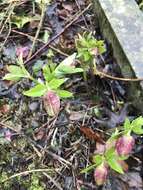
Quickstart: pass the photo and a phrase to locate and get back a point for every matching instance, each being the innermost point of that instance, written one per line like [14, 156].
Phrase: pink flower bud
[100, 174]
[124, 145]
[22, 51]
[94, 51]
[51, 103]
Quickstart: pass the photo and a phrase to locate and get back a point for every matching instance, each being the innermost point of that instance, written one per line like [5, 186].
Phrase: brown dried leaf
[75, 116]
[133, 179]
[90, 134]
[40, 134]
[124, 165]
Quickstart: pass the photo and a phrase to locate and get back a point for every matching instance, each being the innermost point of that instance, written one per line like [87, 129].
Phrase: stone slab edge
[121, 23]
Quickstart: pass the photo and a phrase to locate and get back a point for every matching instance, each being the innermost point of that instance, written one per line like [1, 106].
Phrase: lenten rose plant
[115, 151]
[50, 87]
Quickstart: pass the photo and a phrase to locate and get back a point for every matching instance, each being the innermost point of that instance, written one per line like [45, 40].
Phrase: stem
[84, 76]
[38, 30]
[102, 74]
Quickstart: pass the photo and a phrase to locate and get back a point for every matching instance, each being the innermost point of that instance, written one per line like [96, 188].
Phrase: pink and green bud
[94, 51]
[100, 174]
[51, 103]
[124, 145]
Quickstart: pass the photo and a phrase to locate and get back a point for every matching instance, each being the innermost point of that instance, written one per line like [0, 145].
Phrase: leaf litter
[63, 145]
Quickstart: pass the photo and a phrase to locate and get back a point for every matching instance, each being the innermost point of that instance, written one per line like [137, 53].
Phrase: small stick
[7, 36]
[8, 9]
[28, 172]
[102, 74]
[53, 181]
[31, 37]
[38, 30]
[8, 17]
[40, 51]
[78, 5]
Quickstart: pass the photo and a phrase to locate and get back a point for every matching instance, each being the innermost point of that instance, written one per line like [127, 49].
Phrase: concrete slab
[121, 22]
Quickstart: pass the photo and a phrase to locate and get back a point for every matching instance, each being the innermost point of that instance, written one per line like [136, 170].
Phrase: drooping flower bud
[100, 174]
[22, 51]
[51, 103]
[94, 51]
[124, 145]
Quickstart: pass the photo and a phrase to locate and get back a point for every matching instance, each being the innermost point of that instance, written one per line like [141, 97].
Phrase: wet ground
[55, 150]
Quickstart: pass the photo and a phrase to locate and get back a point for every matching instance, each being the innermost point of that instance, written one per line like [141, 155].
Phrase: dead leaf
[90, 134]
[76, 116]
[68, 7]
[124, 165]
[40, 134]
[5, 109]
[114, 119]
[133, 179]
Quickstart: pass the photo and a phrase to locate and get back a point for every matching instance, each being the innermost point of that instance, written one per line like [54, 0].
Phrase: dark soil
[59, 144]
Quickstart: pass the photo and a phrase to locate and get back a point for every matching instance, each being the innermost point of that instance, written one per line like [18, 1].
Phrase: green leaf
[114, 135]
[11, 77]
[68, 61]
[110, 153]
[97, 159]
[46, 36]
[87, 169]
[36, 91]
[123, 157]
[113, 163]
[63, 70]
[137, 125]
[56, 83]
[67, 67]
[20, 21]
[37, 66]
[70, 70]
[127, 125]
[47, 73]
[14, 69]
[16, 73]
[64, 93]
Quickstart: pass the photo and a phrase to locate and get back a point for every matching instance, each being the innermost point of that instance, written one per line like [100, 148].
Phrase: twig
[7, 36]
[38, 30]
[32, 38]
[40, 51]
[78, 5]
[53, 181]
[57, 157]
[5, 14]
[102, 74]
[8, 17]
[28, 172]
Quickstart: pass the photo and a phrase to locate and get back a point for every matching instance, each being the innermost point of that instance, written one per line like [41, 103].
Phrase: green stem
[84, 76]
